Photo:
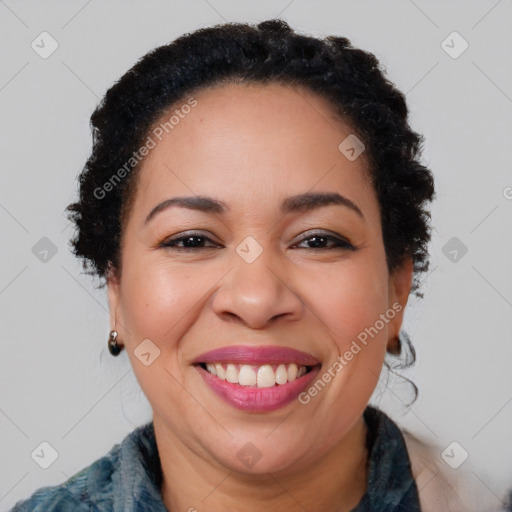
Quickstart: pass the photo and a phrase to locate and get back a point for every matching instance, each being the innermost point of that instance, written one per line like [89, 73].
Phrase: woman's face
[262, 270]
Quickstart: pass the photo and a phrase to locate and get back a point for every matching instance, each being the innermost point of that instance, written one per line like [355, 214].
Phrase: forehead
[266, 139]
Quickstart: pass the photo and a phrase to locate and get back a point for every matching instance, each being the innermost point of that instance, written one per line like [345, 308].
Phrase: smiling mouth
[257, 376]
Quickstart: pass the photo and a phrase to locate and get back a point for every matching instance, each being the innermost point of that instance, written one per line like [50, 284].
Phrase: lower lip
[254, 399]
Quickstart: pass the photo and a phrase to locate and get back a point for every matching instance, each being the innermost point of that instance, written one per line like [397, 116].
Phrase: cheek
[157, 304]
[156, 299]
[351, 297]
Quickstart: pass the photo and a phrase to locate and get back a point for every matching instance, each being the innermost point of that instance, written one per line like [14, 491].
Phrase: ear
[114, 291]
[400, 284]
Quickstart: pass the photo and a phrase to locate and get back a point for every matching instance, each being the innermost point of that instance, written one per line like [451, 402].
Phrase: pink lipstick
[257, 379]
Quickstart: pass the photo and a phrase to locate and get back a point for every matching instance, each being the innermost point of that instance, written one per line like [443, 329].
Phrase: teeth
[232, 374]
[220, 371]
[281, 374]
[264, 376]
[292, 372]
[247, 376]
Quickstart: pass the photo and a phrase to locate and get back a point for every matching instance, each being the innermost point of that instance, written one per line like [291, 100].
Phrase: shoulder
[89, 489]
[439, 486]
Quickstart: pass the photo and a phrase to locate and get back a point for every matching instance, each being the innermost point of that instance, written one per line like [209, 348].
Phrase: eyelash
[340, 244]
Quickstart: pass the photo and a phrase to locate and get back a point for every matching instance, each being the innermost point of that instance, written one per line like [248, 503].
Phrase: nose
[258, 293]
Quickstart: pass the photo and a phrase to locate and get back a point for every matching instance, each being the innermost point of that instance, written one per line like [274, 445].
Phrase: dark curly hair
[269, 52]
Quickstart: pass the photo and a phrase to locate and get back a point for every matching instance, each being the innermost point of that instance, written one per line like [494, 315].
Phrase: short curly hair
[267, 52]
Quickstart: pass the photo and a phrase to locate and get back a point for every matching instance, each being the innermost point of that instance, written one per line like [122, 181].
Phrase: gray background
[58, 382]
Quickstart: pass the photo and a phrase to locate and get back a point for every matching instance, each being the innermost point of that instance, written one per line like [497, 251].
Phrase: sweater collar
[390, 483]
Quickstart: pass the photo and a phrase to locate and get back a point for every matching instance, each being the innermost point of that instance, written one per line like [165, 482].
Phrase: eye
[191, 241]
[319, 239]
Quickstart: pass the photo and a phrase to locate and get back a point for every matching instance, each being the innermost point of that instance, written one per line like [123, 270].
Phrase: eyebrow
[294, 204]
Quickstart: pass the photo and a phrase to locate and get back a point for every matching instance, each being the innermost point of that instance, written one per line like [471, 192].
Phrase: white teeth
[232, 374]
[220, 371]
[281, 374]
[264, 376]
[292, 372]
[247, 376]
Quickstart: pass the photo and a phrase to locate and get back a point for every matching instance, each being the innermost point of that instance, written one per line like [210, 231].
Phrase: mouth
[261, 376]
[257, 379]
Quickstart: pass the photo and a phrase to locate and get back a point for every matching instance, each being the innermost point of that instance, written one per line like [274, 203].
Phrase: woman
[255, 202]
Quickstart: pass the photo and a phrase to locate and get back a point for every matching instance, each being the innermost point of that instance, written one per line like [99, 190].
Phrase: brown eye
[319, 241]
[190, 241]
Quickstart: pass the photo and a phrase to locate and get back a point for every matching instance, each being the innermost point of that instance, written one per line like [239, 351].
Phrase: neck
[336, 482]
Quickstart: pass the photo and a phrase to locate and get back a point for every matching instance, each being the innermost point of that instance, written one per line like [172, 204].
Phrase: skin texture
[251, 147]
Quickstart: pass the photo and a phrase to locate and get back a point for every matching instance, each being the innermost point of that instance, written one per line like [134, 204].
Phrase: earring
[395, 347]
[113, 347]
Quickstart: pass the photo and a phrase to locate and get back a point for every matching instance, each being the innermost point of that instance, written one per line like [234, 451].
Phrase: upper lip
[257, 355]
